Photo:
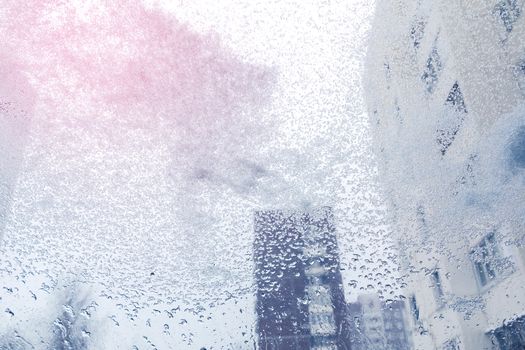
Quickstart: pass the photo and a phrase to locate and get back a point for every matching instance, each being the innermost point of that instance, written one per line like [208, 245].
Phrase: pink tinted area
[122, 56]
[15, 88]
[17, 102]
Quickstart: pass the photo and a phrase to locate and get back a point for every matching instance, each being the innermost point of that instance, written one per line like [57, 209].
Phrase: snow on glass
[269, 175]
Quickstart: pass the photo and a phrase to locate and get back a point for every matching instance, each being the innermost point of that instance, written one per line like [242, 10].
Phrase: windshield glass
[271, 175]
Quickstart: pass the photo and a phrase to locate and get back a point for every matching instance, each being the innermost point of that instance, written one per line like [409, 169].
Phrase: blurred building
[377, 325]
[300, 300]
[445, 86]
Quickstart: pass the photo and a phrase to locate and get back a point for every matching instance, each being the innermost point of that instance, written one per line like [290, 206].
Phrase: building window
[517, 149]
[388, 75]
[509, 11]
[511, 336]
[397, 111]
[485, 257]
[452, 119]
[432, 70]
[519, 72]
[420, 214]
[451, 345]
[421, 222]
[416, 32]
[414, 308]
[455, 99]
[388, 72]
[435, 277]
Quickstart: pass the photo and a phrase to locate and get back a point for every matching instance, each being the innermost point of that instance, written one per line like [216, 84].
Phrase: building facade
[300, 301]
[445, 86]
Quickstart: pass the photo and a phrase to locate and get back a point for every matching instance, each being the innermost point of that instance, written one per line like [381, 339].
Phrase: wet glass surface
[279, 175]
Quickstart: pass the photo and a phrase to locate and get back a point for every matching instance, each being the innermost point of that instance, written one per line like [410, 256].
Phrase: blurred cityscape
[445, 85]
[300, 296]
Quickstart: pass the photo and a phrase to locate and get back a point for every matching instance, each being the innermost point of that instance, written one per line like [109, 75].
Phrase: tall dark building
[300, 299]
